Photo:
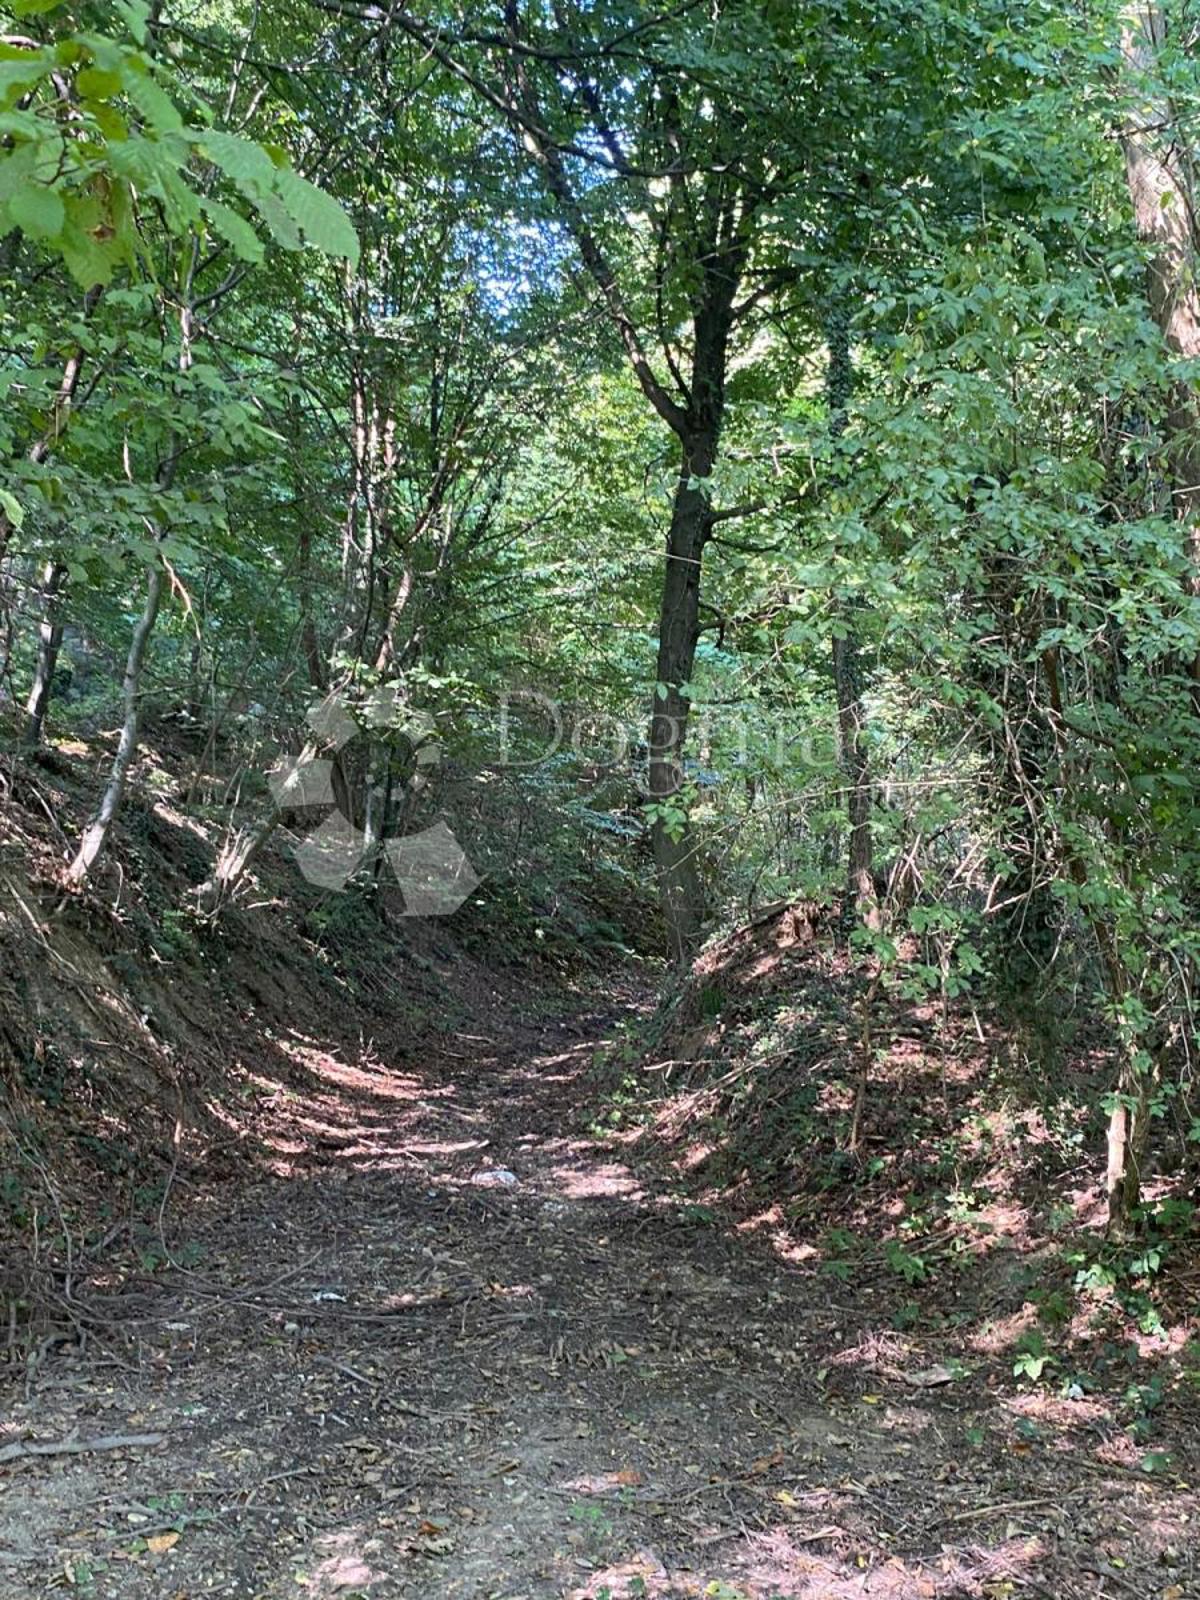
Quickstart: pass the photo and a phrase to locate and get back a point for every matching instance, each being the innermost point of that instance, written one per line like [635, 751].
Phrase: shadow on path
[447, 1346]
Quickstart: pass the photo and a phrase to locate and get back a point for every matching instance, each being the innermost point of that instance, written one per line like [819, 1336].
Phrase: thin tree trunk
[49, 642]
[64, 399]
[388, 653]
[1129, 1125]
[357, 549]
[380, 790]
[681, 887]
[96, 833]
[309, 640]
[202, 665]
[861, 899]
[679, 878]
[240, 853]
[1128, 1122]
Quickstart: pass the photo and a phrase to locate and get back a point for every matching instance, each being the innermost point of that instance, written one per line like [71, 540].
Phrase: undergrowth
[911, 1145]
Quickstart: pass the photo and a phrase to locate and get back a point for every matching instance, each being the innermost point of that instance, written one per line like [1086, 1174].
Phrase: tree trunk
[96, 833]
[1163, 192]
[679, 629]
[1128, 1142]
[49, 641]
[309, 640]
[861, 900]
[389, 652]
[233, 863]
[1129, 1119]
[64, 400]
[717, 245]
[240, 852]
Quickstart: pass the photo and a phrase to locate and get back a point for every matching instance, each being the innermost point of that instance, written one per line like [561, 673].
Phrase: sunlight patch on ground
[369, 1077]
[777, 1565]
[343, 1567]
[604, 1482]
[999, 1334]
[604, 1181]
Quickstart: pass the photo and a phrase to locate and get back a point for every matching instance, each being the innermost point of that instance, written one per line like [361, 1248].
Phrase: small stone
[495, 1178]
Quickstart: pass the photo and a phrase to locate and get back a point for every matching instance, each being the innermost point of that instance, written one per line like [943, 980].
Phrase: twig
[349, 1371]
[80, 1447]
[1004, 1505]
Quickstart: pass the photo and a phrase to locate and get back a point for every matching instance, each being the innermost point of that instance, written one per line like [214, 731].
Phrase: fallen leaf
[159, 1543]
[437, 1547]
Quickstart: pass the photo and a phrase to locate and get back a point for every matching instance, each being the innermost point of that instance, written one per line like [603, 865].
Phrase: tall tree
[667, 154]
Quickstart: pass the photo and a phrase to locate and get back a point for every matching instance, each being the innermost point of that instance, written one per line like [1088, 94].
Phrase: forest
[599, 838]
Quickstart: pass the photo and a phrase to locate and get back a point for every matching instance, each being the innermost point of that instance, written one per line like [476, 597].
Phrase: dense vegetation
[761, 436]
[599, 655]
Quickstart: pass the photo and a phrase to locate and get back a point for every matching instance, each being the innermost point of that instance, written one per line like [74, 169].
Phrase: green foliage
[1033, 1356]
[418, 459]
[592, 1519]
[94, 132]
[911, 1268]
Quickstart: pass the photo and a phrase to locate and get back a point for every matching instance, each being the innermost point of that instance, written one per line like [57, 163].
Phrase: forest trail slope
[452, 1348]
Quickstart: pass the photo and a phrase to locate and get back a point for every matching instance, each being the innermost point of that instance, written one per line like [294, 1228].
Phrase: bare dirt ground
[449, 1345]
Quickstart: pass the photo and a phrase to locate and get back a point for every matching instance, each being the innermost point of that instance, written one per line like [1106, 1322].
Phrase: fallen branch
[80, 1447]
[1002, 1506]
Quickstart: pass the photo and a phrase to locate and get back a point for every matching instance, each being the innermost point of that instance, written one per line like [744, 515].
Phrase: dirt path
[454, 1348]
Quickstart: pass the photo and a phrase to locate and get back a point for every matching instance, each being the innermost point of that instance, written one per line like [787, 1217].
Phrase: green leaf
[324, 223]
[235, 229]
[155, 104]
[283, 229]
[12, 508]
[136, 14]
[17, 170]
[22, 75]
[89, 262]
[110, 122]
[37, 210]
[183, 208]
[238, 158]
[21, 124]
[107, 55]
[33, 8]
[96, 84]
